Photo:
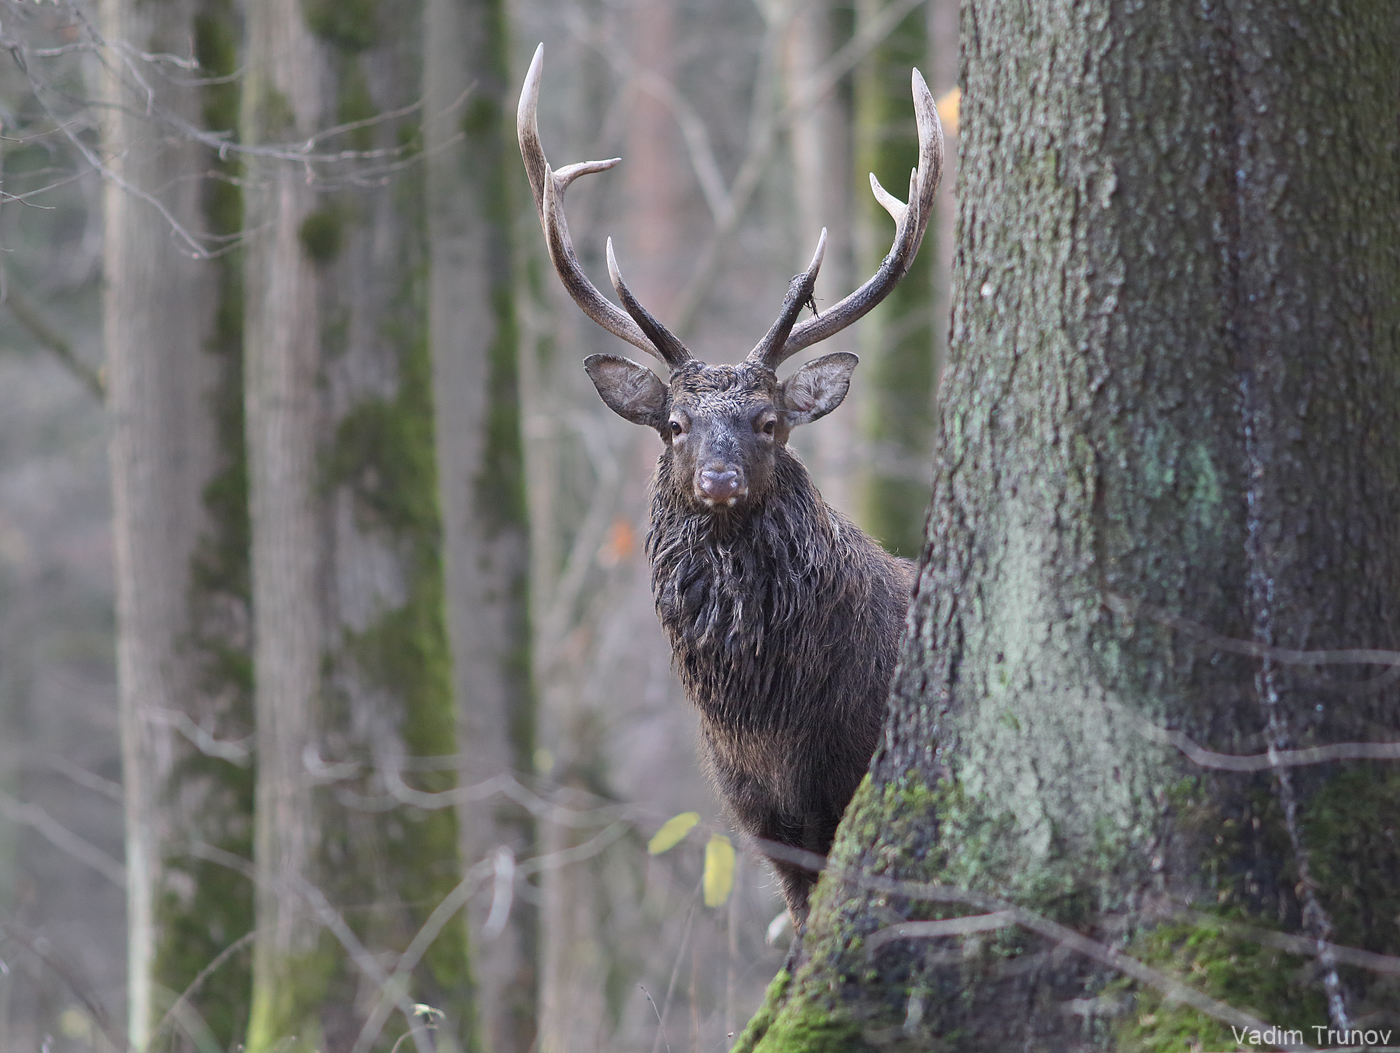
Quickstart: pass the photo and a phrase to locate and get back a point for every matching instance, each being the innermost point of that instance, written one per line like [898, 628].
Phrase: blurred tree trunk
[354, 688]
[612, 725]
[471, 168]
[820, 144]
[581, 957]
[1169, 415]
[899, 340]
[174, 375]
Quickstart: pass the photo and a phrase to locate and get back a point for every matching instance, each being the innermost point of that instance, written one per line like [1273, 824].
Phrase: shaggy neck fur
[745, 594]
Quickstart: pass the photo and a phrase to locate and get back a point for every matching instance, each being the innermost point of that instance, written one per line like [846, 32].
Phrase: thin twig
[660, 1024]
[1004, 914]
[203, 974]
[61, 837]
[27, 315]
[34, 944]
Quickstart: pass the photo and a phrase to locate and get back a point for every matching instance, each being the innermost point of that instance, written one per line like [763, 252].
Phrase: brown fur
[783, 617]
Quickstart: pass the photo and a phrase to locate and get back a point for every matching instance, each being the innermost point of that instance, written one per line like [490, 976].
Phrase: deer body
[783, 620]
[783, 617]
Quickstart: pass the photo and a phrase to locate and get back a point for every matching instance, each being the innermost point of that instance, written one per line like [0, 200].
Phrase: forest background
[296, 446]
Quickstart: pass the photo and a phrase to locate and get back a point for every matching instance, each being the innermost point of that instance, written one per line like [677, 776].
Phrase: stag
[783, 617]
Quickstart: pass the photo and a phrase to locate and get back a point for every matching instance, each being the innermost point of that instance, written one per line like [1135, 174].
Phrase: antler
[784, 339]
[640, 329]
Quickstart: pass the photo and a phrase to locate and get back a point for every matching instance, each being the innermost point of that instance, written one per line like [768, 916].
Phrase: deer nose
[720, 485]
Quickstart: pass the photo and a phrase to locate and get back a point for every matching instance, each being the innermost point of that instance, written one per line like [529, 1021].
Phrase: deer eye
[769, 426]
[676, 428]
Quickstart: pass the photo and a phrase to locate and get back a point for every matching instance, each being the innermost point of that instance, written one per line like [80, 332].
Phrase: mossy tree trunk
[900, 345]
[472, 167]
[1175, 370]
[353, 681]
[173, 365]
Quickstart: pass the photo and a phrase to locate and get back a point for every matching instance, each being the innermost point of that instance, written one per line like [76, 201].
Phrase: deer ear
[631, 391]
[817, 388]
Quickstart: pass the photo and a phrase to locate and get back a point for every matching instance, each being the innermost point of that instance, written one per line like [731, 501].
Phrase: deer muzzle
[721, 485]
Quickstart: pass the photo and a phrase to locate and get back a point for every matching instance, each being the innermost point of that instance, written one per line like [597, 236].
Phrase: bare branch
[328, 916]
[1131, 608]
[413, 953]
[195, 984]
[1272, 759]
[27, 315]
[62, 838]
[234, 752]
[1006, 914]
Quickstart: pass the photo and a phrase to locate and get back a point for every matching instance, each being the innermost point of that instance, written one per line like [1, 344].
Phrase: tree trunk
[586, 941]
[1166, 449]
[821, 190]
[354, 692]
[619, 929]
[174, 377]
[471, 169]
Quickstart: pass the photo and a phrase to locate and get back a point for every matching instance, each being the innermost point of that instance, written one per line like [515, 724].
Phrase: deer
[783, 617]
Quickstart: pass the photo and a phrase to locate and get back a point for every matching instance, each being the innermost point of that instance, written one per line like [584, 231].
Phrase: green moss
[356, 104]
[1351, 827]
[808, 1027]
[1226, 966]
[482, 117]
[273, 116]
[500, 485]
[322, 234]
[763, 1019]
[349, 25]
[1352, 830]
[216, 49]
[890, 830]
[384, 451]
[284, 1018]
[194, 926]
[900, 818]
[409, 138]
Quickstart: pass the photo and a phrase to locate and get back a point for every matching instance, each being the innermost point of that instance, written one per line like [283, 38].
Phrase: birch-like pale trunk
[172, 370]
[1166, 467]
[354, 694]
[473, 174]
[577, 953]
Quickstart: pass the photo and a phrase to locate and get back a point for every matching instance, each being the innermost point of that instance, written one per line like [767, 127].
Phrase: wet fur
[784, 620]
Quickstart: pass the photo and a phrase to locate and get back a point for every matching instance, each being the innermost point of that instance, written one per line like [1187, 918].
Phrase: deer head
[725, 424]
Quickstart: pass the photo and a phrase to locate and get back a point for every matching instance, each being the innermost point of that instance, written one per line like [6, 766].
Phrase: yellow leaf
[948, 111]
[672, 832]
[719, 870]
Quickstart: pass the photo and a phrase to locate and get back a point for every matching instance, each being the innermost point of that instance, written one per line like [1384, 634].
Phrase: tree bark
[354, 692]
[472, 169]
[180, 527]
[1166, 450]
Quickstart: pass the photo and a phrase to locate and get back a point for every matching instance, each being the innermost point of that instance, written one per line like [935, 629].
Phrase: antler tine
[910, 222]
[548, 188]
[673, 352]
[799, 294]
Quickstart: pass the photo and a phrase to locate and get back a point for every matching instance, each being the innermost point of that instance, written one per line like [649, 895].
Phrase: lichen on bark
[1175, 348]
